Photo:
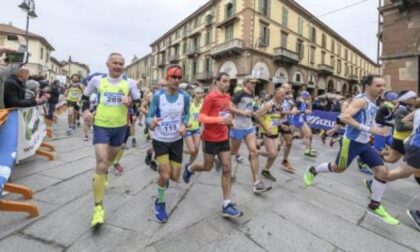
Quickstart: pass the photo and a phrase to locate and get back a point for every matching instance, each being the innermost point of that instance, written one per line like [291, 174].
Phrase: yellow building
[277, 41]
[71, 67]
[38, 47]
[140, 70]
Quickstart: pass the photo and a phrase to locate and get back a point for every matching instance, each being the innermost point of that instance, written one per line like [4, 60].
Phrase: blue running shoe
[160, 212]
[231, 212]
[186, 176]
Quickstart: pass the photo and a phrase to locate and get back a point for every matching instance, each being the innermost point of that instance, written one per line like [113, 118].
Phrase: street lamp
[28, 6]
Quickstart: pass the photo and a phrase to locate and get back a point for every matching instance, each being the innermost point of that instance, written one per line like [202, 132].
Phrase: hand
[125, 100]
[155, 122]
[284, 127]
[42, 100]
[182, 130]
[87, 116]
[378, 131]
[228, 119]
[47, 96]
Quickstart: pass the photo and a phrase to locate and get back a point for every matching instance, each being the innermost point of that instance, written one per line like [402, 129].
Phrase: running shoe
[287, 167]
[153, 165]
[309, 153]
[323, 137]
[118, 169]
[133, 142]
[78, 124]
[239, 158]
[69, 131]
[266, 174]
[308, 177]
[368, 184]
[160, 212]
[363, 167]
[98, 217]
[73, 126]
[383, 215]
[86, 138]
[415, 216]
[231, 212]
[260, 187]
[148, 158]
[186, 176]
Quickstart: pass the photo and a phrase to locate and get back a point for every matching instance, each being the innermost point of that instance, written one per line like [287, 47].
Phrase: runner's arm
[134, 93]
[92, 87]
[408, 119]
[186, 114]
[152, 113]
[203, 116]
[354, 107]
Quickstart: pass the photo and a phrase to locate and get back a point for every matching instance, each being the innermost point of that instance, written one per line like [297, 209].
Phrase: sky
[90, 30]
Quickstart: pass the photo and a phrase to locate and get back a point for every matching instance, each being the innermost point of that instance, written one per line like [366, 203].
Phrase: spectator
[55, 91]
[14, 91]
[32, 89]
[5, 71]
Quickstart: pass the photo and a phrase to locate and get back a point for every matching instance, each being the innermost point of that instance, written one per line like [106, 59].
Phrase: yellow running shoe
[98, 217]
[382, 214]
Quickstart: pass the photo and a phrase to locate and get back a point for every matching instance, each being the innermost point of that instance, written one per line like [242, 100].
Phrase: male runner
[360, 120]
[243, 129]
[168, 118]
[73, 94]
[215, 117]
[110, 124]
[284, 128]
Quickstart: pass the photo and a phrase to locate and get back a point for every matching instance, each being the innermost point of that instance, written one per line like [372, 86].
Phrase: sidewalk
[330, 216]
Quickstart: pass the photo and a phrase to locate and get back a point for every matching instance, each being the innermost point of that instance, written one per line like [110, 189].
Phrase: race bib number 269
[113, 99]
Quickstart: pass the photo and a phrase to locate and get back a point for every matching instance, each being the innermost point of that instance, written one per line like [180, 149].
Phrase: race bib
[195, 116]
[224, 113]
[170, 127]
[113, 99]
[75, 94]
[275, 122]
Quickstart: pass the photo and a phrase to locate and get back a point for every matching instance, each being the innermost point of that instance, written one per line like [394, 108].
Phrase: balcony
[231, 47]
[161, 62]
[324, 69]
[353, 78]
[192, 51]
[282, 55]
[174, 58]
[204, 76]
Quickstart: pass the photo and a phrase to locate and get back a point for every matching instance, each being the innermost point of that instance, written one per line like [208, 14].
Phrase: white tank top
[171, 119]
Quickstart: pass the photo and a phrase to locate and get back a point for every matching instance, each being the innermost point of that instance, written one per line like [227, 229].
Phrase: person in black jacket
[55, 91]
[14, 91]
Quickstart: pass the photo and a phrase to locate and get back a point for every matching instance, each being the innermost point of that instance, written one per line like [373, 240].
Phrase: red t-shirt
[215, 104]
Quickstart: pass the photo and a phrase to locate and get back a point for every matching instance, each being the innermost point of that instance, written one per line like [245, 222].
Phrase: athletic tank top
[194, 111]
[272, 119]
[364, 116]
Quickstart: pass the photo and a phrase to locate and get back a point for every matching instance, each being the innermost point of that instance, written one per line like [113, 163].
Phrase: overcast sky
[90, 30]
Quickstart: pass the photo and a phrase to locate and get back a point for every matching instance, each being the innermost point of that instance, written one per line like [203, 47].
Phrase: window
[332, 46]
[283, 37]
[184, 47]
[300, 26]
[285, 16]
[324, 41]
[346, 54]
[41, 53]
[208, 65]
[264, 7]
[332, 59]
[300, 49]
[194, 67]
[229, 32]
[346, 69]
[313, 34]
[338, 50]
[208, 37]
[196, 22]
[230, 9]
[323, 58]
[339, 66]
[312, 56]
[264, 35]
[12, 37]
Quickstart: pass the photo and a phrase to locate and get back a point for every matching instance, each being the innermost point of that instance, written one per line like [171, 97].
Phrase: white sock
[322, 168]
[256, 182]
[378, 189]
[226, 202]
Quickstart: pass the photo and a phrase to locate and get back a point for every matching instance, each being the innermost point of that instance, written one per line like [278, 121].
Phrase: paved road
[330, 216]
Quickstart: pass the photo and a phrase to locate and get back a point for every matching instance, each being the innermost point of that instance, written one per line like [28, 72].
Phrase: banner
[31, 133]
[321, 119]
[8, 146]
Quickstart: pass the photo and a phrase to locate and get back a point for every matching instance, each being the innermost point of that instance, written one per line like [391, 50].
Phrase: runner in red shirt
[215, 117]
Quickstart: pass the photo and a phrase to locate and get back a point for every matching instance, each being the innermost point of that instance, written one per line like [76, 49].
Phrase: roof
[315, 20]
[55, 60]
[199, 10]
[138, 60]
[11, 30]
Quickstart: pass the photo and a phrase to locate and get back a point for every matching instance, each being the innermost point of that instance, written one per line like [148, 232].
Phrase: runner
[407, 100]
[270, 122]
[243, 130]
[73, 95]
[284, 128]
[193, 135]
[304, 106]
[216, 118]
[360, 120]
[110, 124]
[168, 118]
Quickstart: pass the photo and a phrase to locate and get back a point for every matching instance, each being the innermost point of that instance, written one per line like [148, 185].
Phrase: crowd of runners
[180, 119]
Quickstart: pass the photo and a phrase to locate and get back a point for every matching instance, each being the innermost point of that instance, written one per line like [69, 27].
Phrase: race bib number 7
[113, 99]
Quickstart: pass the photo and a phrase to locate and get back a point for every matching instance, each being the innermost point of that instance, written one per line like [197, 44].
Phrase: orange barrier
[17, 206]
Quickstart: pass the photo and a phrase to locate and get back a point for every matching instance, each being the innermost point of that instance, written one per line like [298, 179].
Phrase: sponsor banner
[321, 119]
[31, 133]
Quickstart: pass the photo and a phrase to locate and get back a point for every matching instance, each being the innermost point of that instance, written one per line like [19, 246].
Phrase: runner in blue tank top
[360, 120]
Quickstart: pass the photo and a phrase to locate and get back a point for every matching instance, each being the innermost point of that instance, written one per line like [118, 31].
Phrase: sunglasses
[176, 77]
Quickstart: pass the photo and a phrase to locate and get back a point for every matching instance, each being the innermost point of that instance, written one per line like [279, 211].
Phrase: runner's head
[162, 84]
[279, 94]
[286, 87]
[75, 78]
[373, 85]
[173, 77]
[305, 95]
[249, 84]
[391, 96]
[115, 64]
[198, 93]
[223, 82]
[407, 97]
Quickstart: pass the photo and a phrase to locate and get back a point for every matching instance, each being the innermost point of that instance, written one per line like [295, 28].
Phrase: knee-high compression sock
[378, 189]
[321, 168]
[161, 194]
[99, 188]
[119, 155]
